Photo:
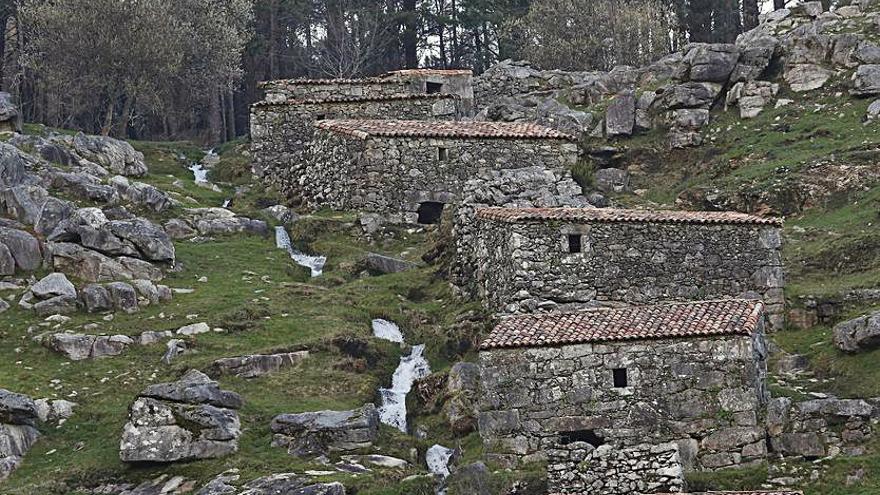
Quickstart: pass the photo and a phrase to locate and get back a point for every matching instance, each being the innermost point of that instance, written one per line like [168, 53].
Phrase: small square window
[620, 378]
[575, 243]
[442, 154]
[433, 88]
[321, 116]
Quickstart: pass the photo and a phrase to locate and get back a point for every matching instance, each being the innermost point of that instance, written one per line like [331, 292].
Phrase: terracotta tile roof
[432, 72]
[515, 215]
[442, 129]
[354, 99]
[662, 321]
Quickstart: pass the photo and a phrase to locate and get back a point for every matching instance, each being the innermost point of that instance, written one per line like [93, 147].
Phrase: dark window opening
[575, 243]
[430, 212]
[588, 436]
[442, 154]
[620, 378]
[321, 116]
[433, 88]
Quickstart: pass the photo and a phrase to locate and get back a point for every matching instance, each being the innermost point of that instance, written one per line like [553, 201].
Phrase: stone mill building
[281, 124]
[596, 392]
[534, 259]
[409, 171]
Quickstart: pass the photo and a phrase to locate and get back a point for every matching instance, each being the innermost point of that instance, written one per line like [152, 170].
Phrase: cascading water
[314, 263]
[411, 368]
[392, 412]
[437, 458]
[200, 171]
[387, 330]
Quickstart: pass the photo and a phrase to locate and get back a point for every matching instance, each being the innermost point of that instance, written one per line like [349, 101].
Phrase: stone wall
[821, 427]
[280, 134]
[284, 90]
[407, 82]
[707, 395]
[525, 267]
[393, 176]
[580, 468]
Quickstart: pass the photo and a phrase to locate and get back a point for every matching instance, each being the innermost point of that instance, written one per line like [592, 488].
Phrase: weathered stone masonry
[689, 373]
[402, 169]
[397, 83]
[281, 133]
[534, 259]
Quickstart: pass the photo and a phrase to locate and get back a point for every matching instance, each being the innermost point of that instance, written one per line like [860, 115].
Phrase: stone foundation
[579, 468]
[821, 427]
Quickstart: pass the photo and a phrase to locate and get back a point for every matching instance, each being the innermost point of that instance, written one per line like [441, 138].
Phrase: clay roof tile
[661, 321]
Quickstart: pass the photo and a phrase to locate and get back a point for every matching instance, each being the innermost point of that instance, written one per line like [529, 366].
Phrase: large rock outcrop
[858, 334]
[324, 431]
[808, 46]
[18, 432]
[189, 419]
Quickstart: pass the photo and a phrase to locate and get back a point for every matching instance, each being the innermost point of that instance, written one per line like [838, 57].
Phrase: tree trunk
[750, 14]
[125, 118]
[108, 117]
[3, 21]
[273, 40]
[410, 37]
[215, 118]
[230, 115]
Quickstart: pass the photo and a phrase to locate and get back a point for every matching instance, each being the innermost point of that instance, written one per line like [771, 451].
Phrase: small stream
[392, 411]
[200, 170]
[313, 263]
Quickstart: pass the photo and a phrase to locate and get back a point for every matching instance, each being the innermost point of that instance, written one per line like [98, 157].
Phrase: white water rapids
[387, 330]
[314, 263]
[392, 412]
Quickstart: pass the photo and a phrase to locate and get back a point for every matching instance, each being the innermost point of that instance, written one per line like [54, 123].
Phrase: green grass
[268, 304]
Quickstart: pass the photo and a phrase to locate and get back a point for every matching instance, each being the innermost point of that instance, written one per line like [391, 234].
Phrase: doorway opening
[430, 212]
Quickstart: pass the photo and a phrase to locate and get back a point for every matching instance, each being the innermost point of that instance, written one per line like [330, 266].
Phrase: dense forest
[188, 69]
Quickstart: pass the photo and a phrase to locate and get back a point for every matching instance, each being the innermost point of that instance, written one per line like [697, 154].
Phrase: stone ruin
[627, 400]
[689, 373]
[568, 258]
[457, 82]
[408, 171]
[281, 124]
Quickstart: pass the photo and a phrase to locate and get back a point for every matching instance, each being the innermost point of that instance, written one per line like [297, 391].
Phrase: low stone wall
[281, 134]
[821, 427]
[707, 395]
[579, 468]
[284, 90]
[393, 176]
[398, 83]
[527, 266]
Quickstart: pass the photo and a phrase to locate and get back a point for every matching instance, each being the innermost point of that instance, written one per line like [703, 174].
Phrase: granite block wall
[527, 266]
[706, 395]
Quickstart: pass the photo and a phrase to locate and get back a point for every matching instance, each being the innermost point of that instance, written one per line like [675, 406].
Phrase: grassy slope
[268, 304]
